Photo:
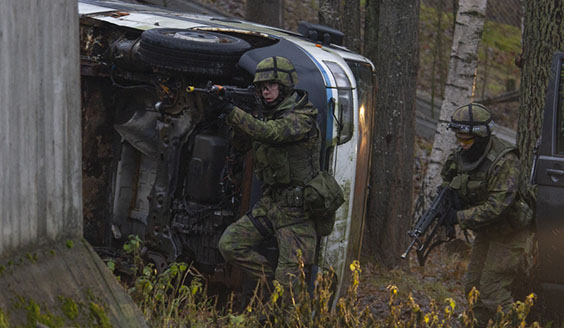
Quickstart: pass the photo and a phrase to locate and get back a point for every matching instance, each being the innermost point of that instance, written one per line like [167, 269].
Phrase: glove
[220, 106]
[451, 219]
[225, 107]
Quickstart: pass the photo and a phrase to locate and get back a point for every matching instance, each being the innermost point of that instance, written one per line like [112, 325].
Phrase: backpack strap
[498, 158]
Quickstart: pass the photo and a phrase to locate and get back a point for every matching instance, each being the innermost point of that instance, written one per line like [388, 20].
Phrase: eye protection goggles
[266, 86]
[465, 140]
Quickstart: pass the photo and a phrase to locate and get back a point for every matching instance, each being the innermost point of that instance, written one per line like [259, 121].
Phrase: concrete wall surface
[49, 276]
[63, 284]
[40, 135]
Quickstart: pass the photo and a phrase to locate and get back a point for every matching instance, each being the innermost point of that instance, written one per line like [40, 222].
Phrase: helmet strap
[471, 117]
[275, 67]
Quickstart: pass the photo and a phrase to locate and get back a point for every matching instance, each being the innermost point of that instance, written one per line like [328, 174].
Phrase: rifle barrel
[404, 255]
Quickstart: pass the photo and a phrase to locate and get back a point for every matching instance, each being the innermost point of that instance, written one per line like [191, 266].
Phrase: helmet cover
[276, 69]
[474, 119]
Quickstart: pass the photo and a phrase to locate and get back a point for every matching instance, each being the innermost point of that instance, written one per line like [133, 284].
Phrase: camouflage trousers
[291, 228]
[496, 260]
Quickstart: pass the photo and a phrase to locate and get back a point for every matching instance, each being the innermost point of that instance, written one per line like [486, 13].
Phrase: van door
[549, 177]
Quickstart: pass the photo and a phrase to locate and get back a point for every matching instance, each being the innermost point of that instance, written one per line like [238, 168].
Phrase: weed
[3, 319]
[178, 297]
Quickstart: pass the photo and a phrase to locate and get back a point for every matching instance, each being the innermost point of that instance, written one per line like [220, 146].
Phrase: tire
[198, 52]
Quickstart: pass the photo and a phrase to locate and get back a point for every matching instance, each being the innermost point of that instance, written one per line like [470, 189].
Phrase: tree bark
[330, 13]
[394, 24]
[345, 17]
[371, 23]
[543, 35]
[459, 87]
[351, 26]
[268, 12]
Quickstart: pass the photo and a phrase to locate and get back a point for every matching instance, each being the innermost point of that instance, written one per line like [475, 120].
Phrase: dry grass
[178, 298]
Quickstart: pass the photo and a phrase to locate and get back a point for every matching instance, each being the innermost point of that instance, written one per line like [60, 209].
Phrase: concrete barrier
[44, 264]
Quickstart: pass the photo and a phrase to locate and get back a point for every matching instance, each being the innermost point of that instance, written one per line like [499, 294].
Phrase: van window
[364, 81]
[345, 114]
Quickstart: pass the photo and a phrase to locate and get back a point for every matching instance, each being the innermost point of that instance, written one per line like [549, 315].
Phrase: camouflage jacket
[286, 142]
[488, 189]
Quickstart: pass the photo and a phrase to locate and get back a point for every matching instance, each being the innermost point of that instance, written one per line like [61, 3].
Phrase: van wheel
[198, 52]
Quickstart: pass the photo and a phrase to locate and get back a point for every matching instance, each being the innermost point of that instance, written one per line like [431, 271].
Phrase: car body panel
[549, 177]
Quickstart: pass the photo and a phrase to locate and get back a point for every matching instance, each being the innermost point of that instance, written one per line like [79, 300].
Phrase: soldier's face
[465, 140]
[269, 91]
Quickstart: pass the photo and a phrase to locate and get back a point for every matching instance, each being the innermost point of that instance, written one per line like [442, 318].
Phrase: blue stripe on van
[329, 91]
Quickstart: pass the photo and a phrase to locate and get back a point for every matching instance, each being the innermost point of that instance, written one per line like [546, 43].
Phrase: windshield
[365, 88]
[364, 81]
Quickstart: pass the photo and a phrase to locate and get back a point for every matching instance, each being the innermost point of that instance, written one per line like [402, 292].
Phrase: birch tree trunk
[459, 89]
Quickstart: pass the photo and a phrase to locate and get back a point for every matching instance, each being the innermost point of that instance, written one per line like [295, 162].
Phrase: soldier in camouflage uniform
[286, 145]
[485, 173]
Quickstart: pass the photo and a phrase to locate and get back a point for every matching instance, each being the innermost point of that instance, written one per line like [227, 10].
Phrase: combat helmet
[474, 119]
[276, 69]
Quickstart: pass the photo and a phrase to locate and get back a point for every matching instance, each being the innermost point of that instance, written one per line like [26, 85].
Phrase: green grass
[505, 38]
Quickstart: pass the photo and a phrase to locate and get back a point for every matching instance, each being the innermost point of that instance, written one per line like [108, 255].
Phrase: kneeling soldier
[484, 171]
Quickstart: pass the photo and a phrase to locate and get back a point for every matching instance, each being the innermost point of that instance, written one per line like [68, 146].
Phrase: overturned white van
[156, 165]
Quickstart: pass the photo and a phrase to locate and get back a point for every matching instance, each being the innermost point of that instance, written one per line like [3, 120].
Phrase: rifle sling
[262, 229]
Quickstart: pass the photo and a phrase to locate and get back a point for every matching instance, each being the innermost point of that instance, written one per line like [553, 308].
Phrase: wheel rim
[201, 37]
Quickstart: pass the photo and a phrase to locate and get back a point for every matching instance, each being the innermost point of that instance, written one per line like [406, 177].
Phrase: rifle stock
[425, 229]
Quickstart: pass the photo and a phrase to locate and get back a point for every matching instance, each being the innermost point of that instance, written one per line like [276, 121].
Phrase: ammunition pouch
[289, 197]
[322, 197]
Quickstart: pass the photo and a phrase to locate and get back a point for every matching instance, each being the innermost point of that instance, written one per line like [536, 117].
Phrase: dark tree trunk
[391, 43]
[371, 24]
[345, 17]
[268, 12]
[351, 26]
[543, 35]
[330, 13]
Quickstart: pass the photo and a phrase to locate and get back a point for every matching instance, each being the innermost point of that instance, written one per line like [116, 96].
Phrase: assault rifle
[245, 98]
[424, 232]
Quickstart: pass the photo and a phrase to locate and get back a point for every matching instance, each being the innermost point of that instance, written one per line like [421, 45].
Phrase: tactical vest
[471, 182]
[291, 164]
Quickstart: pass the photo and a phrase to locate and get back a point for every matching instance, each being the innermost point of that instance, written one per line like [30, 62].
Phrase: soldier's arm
[502, 190]
[288, 128]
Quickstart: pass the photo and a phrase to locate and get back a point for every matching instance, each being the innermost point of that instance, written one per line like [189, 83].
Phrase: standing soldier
[286, 145]
[484, 171]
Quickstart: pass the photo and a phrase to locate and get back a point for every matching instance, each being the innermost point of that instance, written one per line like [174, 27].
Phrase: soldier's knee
[226, 248]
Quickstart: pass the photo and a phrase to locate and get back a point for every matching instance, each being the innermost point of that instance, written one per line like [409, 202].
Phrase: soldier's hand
[219, 106]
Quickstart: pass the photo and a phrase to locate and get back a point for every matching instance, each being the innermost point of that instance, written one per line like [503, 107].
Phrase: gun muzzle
[404, 255]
